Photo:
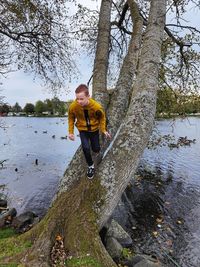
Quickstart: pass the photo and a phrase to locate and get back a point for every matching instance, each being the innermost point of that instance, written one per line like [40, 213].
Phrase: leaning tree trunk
[82, 207]
[100, 92]
[122, 160]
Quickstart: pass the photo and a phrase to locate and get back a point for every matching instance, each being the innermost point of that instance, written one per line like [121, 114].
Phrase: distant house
[46, 113]
[11, 114]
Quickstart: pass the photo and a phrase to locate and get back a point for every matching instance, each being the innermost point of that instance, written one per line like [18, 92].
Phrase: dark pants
[89, 139]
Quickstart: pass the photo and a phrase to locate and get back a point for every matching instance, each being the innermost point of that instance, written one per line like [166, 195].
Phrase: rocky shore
[116, 240]
[9, 218]
[119, 245]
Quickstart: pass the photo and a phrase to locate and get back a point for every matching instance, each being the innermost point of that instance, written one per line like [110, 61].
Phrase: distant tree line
[170, 102]
[47, 107]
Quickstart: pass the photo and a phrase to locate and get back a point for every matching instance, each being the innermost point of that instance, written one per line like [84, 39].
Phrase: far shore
[158, 116]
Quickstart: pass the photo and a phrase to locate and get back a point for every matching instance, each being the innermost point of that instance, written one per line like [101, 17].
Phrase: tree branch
[183, 27]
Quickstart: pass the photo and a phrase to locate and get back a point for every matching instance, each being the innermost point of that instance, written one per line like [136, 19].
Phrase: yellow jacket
[88, 118]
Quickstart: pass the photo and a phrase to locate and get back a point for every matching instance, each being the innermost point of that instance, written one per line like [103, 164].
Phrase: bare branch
[183, 27]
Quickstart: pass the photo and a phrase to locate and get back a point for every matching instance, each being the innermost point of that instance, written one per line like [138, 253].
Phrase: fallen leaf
[58, 238]
[155, 233]
[159, 220]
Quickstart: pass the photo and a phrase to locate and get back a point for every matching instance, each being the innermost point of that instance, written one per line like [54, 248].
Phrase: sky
[20, 87]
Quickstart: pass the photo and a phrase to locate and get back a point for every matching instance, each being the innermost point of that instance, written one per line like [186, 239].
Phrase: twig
[172, 260]
[1, 163]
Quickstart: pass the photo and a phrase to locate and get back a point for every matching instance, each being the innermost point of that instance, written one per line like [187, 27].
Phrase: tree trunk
[102, 53]
[82, 206]
[121, 161]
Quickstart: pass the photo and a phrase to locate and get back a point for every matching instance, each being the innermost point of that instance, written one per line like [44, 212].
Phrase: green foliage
[170, 103]
[166, 101]
[40, 107]
[16, 108]
[54, 106]
[58, 106]
[4, 108]
[29, 108]
[127, 253]
[48, 106]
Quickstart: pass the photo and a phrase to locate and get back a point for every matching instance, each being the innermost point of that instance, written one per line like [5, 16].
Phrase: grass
[9, 265]
[7, 232]
[11, 245]
[83, 262]
[127, 253]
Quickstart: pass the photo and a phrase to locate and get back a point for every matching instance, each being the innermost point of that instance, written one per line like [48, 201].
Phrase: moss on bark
[73, 217]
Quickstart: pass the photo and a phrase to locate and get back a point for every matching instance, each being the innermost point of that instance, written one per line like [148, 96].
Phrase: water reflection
[161, 208]
[27, 185]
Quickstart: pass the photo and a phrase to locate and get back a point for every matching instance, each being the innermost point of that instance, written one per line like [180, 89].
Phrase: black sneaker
[90, 172]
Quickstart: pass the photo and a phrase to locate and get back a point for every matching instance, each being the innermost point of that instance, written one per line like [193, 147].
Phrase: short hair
[82, 88]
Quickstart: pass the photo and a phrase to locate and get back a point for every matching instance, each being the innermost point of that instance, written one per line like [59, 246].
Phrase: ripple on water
[170, 177]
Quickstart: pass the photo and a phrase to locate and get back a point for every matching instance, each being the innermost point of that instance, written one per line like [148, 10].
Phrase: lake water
[161, 210]
[22, 141]
[176, 182]
[182, 192]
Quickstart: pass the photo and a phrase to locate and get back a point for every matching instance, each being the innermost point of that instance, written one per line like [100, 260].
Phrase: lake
[175, 184]
[23, 140]
[161, 211]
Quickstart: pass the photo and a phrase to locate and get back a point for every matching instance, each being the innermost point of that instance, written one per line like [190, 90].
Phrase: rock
[116, 231]
[24, 221]
[131, 262]
[3, 203]
[2, 209]
[7, 217]
[114, 248]
[142, 261]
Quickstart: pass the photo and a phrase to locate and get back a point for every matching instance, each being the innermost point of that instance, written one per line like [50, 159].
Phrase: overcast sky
[21, 88]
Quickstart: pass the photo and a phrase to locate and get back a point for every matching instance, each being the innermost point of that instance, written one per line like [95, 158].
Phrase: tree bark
[121, 161]
[121, 96]
[102, 53]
